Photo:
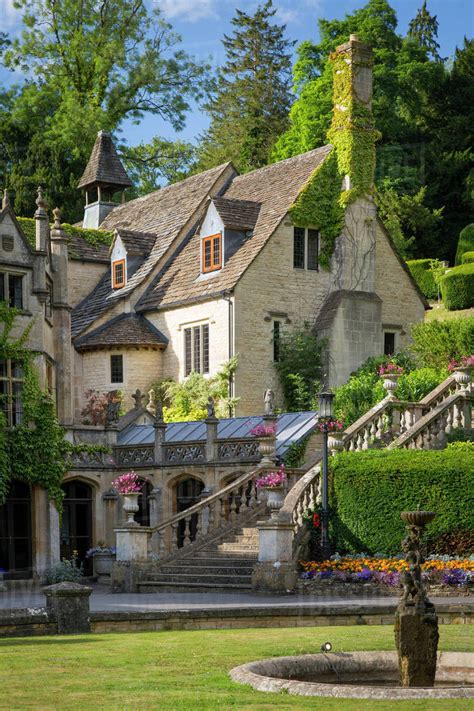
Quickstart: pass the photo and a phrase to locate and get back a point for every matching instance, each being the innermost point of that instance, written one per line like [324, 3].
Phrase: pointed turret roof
[104, 166]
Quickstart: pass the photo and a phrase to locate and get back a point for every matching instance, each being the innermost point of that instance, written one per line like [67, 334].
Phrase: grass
[184, 671]
[438, 311]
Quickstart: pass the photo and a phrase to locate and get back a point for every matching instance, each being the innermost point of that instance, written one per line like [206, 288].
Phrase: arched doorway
[15, 532]
[76, 526]
[188, 493]
[143, 514]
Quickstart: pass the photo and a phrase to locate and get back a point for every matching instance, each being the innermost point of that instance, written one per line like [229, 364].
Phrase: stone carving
[211, 408]
[137, 397]
[178, 453]
[416, 623]
[112, 412]
[269, 402]
[239, 449]
[134, 455]
[151, 406]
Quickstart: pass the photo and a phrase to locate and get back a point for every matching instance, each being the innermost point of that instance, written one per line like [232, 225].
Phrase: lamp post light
[325, 415]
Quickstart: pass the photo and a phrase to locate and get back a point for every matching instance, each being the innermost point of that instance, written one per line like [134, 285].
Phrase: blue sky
[202, 23]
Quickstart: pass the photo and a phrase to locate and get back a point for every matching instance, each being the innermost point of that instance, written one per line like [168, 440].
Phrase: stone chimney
[103, 177]
[352, 129]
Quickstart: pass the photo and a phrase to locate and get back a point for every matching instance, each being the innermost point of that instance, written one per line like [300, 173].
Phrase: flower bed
[441, 573]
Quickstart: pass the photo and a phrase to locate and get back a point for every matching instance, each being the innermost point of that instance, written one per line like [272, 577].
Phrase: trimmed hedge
[465, 242]
[467, 258]
[370, 489]
[422, 274]
[457, 287]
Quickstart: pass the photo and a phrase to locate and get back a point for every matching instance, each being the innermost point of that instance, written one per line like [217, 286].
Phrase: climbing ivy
[322, 202]
[93, 237]
[34, 451]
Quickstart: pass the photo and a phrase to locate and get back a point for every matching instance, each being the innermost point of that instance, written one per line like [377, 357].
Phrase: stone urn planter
[275, 499]
[335, 442]
[463, 378]
[130, 506]
[266, 445]
[390, 383]
[103, 563]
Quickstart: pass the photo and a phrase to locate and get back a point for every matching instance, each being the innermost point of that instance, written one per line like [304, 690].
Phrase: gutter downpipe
[230, 328]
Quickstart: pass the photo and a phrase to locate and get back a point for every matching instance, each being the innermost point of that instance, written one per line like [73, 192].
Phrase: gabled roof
[237, 214]
[137, 243]
[104, 166]
[123, 330]
[7, 210]
[276, 188]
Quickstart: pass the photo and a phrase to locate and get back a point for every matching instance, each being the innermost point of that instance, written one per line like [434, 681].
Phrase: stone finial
[137, 397]
[5, 200]
[57, 218]
[158, 411]
[211, 408]
[41, 210]
[354, 38]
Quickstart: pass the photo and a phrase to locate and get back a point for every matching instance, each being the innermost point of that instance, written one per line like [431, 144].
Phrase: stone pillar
[110, 432]
[160, 439]
[110, 499]
[132, 543]
[69, 603]
[45, 533]
[211, 437]
[41, 247]
[156, 515]
[275, 571]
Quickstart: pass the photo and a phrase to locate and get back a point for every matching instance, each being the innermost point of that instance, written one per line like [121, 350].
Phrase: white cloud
[286, 14]
[9, 15]
[291, 11]
[190, 10]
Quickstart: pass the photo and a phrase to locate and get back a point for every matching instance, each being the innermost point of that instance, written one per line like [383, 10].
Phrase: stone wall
[83, 277]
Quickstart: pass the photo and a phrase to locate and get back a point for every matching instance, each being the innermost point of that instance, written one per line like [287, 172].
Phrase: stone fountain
[415, 670]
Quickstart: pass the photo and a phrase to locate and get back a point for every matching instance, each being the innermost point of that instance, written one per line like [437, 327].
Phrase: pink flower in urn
[390, 369]
[128, 483]
[263, 430]
[330, 425]
[464, 362]
[272, 479]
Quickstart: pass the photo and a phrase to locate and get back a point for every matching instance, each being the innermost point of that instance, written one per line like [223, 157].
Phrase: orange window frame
[213, 245]
[118, 283]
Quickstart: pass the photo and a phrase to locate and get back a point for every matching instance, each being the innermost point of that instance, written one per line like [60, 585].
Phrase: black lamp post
[325, 415]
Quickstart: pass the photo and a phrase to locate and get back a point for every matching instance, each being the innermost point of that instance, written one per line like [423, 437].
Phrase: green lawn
[438, 311]
[182, 670]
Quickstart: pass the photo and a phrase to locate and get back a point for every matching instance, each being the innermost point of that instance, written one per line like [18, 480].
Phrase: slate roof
[104, 165]
[239, 214]
[137, 243]
[276, 188]
[123, 330]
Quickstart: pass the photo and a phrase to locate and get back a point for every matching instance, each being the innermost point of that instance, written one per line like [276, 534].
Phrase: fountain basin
[356, 675]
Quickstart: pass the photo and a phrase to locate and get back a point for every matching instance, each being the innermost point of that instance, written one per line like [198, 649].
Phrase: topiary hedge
[467, 258]
[422, 274]
[465, 242]
[457, 287]
[370, 489]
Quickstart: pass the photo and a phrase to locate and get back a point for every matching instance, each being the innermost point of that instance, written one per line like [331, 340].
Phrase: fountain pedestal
[416, 622]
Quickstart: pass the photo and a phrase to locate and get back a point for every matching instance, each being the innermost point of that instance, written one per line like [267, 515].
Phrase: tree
[149, 165]
[424, 30]
[88, 66]
[249, 107]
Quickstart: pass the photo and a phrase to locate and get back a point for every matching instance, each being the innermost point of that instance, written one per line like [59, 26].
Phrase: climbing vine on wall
[323, 201]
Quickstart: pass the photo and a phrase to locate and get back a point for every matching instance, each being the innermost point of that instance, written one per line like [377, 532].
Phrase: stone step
[205, 569]
[237, 547]
[202, 579]
[195, 587]
[214, 559]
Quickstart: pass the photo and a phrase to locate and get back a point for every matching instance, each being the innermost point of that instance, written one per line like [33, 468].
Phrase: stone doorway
[76, 526]
[188, 493]
[15, 533]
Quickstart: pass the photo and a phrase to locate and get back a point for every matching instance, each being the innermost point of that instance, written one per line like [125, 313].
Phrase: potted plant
[462, 371]
[103, 557]
[335, 430]
[390, 374]
[266, 434]
[274, 484]
[129, 488]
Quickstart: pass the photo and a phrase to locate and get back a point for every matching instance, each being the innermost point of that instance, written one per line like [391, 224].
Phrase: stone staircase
[216, 567]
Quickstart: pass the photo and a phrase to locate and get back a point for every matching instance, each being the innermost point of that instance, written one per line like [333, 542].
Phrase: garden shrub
[460, 436]
[370, 489]
[413, 386]
[299, 366]
[458, 543]
[424, 277]
[67, 571]
[457, 287]
[465, 242]
[437, 342]
[467, 258]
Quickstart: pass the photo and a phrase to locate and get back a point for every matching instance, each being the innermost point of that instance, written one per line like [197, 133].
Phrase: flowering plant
[464, 362]
[329, 425]
[390, 369]
[264, 430]
[101, 547]
[127, 483]
[316, 520]
[272, 479]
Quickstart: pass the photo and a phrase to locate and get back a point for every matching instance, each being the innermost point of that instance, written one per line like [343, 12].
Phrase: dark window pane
[298, 248]
[3, 368]
[207, 253]
[17, 409]
[313, 249]
[205, 349]
[17, 370]
[3, 295]
[389, 343]
[116, 369]
[276, 340]
[188, 366]
[197, 349]
[216, 257]
[15, 291]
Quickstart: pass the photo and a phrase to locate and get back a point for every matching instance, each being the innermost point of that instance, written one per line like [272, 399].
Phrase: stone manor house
[181, 280]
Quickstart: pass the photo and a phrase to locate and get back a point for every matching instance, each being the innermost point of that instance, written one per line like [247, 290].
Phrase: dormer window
[118, 274]
[212, 253]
